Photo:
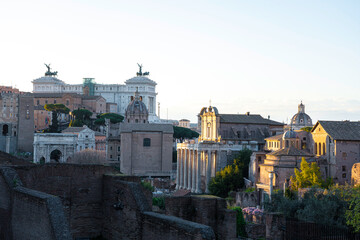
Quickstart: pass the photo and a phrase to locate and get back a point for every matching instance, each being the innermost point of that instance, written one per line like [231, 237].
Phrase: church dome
[289, 134]
[301, 119]
[136, 111]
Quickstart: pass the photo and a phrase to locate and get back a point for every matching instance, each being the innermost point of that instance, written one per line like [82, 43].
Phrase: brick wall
[209, 211]
[80, 189]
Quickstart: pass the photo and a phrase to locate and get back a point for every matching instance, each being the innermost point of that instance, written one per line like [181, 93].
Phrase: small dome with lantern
[301, 119]
[136, 111]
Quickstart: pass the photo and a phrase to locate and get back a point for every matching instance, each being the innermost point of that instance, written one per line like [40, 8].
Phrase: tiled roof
[341, 130]
[73, 129]
[291, 151]
[276, 137]
[244, 118]
[146, 127]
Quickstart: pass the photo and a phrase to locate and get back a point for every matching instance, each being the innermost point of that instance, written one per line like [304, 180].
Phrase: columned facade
[193, 161]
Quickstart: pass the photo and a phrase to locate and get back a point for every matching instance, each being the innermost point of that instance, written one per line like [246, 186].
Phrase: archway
[5, 129]
[42, 160]
[55, 155]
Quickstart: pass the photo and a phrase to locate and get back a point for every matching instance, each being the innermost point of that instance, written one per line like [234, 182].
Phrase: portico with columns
[196, 165]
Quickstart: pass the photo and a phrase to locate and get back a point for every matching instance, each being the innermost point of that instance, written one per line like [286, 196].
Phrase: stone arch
[56, 155]
[42, 160]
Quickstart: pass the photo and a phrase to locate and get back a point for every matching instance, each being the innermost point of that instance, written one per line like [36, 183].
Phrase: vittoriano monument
[49, 73]
[140, 73]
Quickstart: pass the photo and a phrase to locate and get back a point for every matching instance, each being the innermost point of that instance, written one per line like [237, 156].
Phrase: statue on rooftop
[49, 73]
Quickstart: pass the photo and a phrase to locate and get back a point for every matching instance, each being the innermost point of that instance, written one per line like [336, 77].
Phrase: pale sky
[258, 56]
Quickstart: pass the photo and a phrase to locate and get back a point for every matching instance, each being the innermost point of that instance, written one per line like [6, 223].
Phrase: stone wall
[83, 201]
[161, 227]
[209, 211]
[245, 199]
[80, 189]
[37, 215]
[29, 214]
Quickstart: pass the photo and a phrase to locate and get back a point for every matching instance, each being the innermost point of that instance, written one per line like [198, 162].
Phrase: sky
[262, 57]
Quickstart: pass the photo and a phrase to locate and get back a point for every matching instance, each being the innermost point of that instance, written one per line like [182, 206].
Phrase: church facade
[139, 147]
[222, 137]
[113, 93]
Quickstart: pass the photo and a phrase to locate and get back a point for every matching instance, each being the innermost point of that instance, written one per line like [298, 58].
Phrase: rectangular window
[118, 149]
[147, 142]
[344, 175]
[343, 168]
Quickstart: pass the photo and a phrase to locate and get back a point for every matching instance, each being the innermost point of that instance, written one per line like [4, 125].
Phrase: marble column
[213, 163]
[193, 174]
[181, 172]
[189, 170]
[178, 170]
[208, 170]
[185, 169]
[198, 172]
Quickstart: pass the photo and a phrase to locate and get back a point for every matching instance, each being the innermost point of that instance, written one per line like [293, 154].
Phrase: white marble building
[113, 93]
[54, 147]
[85, 137]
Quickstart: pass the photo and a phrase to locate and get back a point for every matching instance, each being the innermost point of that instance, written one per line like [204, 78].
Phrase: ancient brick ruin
[70, 201]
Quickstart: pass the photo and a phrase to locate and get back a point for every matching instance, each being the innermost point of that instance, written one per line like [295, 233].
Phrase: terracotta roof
[73, 129]
[341, 130]
[146, 127]
[291, 151]
[244, 118]
[276, 137]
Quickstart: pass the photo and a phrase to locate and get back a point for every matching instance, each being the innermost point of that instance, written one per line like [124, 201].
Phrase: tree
[56, 110]
[231, 178]
[114, 118]
[88, 156]
[184, 133]
[309, 176]
[353, 212]
[82, 117]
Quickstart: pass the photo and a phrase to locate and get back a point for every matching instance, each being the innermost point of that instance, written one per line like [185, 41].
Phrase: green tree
[231, 178]
[309, 176]
[114, 118]
[56, 110]
[81, 118]
[184, 133]
[353, 211]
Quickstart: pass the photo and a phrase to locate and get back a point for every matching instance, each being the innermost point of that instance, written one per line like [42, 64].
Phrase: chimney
[268, 116]
[247, 113]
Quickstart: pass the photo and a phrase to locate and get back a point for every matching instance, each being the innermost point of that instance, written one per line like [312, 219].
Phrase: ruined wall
[161, 227]
[80, 189]
[124, 203]
[29, 214]
[209, 211]
[37, 215]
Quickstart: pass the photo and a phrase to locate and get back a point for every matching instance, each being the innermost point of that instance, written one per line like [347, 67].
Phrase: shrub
[148, 186]
[159, 201]
[240, 222]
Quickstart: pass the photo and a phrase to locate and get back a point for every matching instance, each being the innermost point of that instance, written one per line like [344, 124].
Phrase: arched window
[208, 129]
[324, 148]
[147, 142]
[319, 148]
[287, 143]
[315, 148]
